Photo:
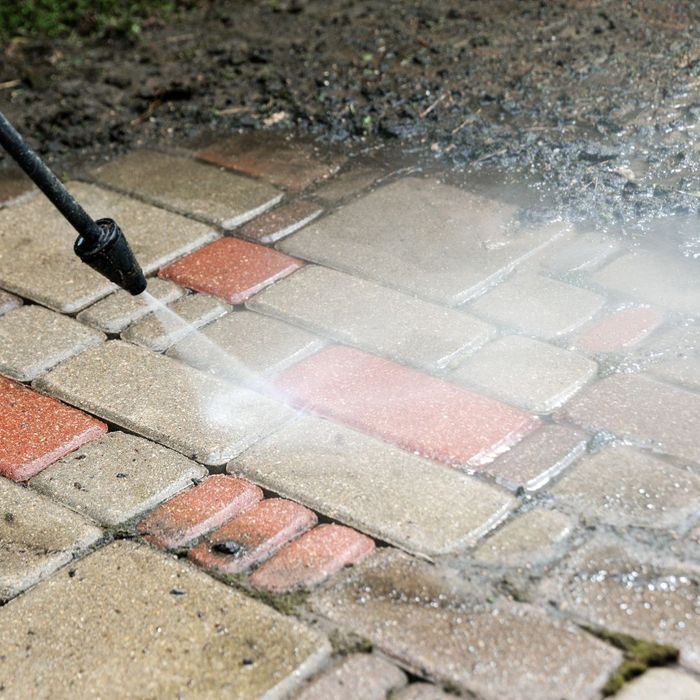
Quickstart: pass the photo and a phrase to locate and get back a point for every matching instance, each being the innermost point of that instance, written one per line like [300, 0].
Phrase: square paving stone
[8, 302]
[666, 683]
[421, 236]
[400, 498]
[119, 310]
[117, 478]
[436, 628]
[621, 329]
[161, 399]
[36, 246]
[374, 318]
[34, 339]
[538, 306]
[188, 187]
[193, 636]
[279, 222]
[36, 430]
[528, 373]
[37, 536]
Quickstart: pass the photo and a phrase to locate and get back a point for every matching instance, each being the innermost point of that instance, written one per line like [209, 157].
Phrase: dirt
[596, 101]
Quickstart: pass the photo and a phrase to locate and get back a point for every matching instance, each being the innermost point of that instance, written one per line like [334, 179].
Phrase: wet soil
[598, 101]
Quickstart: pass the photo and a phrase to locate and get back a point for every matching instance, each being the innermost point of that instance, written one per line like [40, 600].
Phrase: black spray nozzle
[110, 255]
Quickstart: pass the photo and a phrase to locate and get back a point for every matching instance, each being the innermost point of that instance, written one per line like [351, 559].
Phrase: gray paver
[117, 477]
[430, 625]
[661, 683]
[189, 187]
[375, 487]
[538, 306]
[422, 691]
[347, 183]
[80, 633]
[37, 537]
[164, 400]
[36, 246]
[579, 253]
[8, 302]
[159, 330]
[119, 310]
[534, 375]
[374, 318]
[34, 339]
[418, 235]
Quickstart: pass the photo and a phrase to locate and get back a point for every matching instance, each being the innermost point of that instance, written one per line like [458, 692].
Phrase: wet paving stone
[621, 329]
[311, 559]
[117, 478]
[400, 498]
[36, 430]
[279, 222]
[231, 269]
[374, 318]
[666, 683]
[8, 302]
[347, 184]
[190, 514]
[413, 410]
[164, 400]
[188, 187]
[435, 627]
[579, 253]
[536, 376]
[34, 339]
[37, 537]
[36, 250]
[194, 636]
[459, 243]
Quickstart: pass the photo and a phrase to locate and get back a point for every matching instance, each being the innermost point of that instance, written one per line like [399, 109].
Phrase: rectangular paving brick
[231, 269]
[311, 559]
[413, 410]
[8, 302]
[348, 183]
[37, 536]
[279, 222]
[188, 187]
[374, 318]
[36, 430]
[78, 634]
[34, 339]
[190, 514]
[253, 536]
[619, 330]
[353, 478]
[36, 246]
[578, 253]
[437, 628]
[421, 236]
[117, 477]
[164, 400]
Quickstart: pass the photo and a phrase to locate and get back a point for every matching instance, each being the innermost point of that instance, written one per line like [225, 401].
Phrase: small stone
[622, 329]
[8, 302]
[666, 683]
[279, 222]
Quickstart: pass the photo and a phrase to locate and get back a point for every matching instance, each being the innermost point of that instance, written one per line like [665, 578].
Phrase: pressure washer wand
[101, 244]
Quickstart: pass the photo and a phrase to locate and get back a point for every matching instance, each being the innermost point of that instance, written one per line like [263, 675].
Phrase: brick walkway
[454, 456]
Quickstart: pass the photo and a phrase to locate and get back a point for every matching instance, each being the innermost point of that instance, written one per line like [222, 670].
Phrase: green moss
[345, 643]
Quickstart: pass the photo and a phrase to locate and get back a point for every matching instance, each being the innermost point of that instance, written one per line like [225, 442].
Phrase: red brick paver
[621, 329]
[231, 269]
[253, 536]
[312, 558]
[36, 430]
[413, 410]
[198, 510]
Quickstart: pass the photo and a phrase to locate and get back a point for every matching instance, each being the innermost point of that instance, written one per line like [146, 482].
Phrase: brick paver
[277, 223]
[421, 236]
[422, 691]
[37, 537]
[164, 400]
[347, 184]
[117, 477]
[253, 536]
[621, 329]
[8, 302]
[231, 269]
[400, 498]
[188, 187]
[190, 514]
[34, 339]
[194, 637]
[36, 246]
[666, 683]
[312, 558]
[374, 318]
[36, 430]
[578, 253]
[504, 651]
[413, 410]
[536, 376]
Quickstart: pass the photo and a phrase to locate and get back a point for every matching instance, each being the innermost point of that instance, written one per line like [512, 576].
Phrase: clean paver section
[579, 253]
[374, 318]
[277, 223]
[193, 636]
[189, 187]
[164, 400]
[666, 683]
[117, 477]
[37, 537]
[621, 329]
[398, 497]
